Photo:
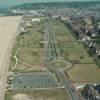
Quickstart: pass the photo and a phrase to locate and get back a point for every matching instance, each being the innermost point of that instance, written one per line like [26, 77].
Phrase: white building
[36, 20]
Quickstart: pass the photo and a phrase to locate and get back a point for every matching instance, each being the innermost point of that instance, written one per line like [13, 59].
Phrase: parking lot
[34, 80]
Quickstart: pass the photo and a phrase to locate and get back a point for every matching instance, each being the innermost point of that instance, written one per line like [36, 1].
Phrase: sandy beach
[8, 28]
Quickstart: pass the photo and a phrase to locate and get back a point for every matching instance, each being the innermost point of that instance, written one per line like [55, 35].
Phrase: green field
[84, 68]
[30, 81]
[58, 64]
[85, 73]
[76, 52]
[48, 94]
[72, 49]
[28, 49]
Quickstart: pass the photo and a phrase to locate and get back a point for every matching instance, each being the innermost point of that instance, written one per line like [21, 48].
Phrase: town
[56, 52]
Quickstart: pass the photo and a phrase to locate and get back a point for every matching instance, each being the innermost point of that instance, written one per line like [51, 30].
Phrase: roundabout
[59, 65]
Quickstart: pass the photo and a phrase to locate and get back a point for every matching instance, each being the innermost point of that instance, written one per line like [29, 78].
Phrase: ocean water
[4, 11]
[2, 14]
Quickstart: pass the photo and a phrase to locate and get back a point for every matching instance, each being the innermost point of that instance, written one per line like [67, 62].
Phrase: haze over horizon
[7, 3]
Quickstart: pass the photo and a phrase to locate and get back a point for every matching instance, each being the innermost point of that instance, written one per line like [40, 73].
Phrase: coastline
[8, 28]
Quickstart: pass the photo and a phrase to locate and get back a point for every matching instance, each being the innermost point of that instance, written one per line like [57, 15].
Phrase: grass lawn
[75, 52]
[30, 54]
[85, 73]
[61, 32]
[54, 94]
[26, 68]
[55, 65]
[72, 49]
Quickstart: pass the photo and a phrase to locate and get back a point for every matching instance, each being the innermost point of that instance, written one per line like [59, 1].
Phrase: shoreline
[8, 29]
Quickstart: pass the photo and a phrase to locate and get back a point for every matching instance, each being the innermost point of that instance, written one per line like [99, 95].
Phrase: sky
[17, 2]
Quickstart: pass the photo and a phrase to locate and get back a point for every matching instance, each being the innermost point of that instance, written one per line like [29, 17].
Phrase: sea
[3, 11]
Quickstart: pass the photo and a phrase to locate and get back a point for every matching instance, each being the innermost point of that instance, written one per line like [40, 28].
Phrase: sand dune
[8, 28]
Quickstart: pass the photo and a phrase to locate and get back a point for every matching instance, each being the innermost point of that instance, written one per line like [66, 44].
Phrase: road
[68, 87]
[52, 53]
